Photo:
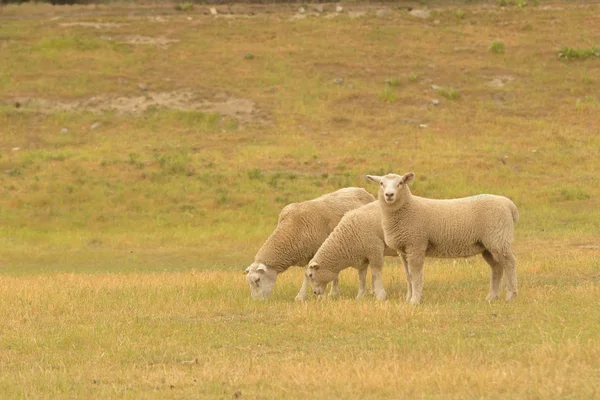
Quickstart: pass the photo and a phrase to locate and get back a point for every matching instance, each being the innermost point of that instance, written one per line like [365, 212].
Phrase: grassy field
[145, 154]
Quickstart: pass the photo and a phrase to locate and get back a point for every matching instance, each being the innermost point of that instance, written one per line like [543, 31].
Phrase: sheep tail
[514, 211]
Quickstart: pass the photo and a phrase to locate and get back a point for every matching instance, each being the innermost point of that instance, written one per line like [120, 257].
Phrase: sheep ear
[407, 178]
[246, 271]
[373, 178]
[262, 268]
[314, 266]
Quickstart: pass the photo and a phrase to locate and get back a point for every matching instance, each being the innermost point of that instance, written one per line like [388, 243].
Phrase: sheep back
[357, 238]
[304, 226]
[451, 228]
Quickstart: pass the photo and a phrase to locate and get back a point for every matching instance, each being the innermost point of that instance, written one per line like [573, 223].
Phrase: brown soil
[188, 100]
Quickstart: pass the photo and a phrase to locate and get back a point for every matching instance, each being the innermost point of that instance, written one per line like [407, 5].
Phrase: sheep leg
[301, 296]
[507, 259]
[362, 282]
[496, 276]
[380, 293]
[510, 266]
[407, 271]
[333, 292]
[415, 267]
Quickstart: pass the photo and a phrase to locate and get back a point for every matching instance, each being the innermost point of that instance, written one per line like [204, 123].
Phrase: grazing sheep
[301, 230]
[356, 241]
[418, 227]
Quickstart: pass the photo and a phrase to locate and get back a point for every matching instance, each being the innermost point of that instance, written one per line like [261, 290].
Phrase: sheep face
[319, 278]
[261, 279]
[391, 185]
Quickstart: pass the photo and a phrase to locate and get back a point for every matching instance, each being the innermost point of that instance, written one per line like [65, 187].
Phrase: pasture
[146, 151]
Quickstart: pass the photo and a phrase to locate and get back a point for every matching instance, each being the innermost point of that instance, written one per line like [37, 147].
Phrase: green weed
[388, 94]
[449, 93]
[497, 47]
[393, 82]
[570, 53]
[184, 6]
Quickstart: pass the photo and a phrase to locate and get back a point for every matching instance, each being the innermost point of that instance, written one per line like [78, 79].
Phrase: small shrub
[249, 56]
[393, 81]
[413, 77]
[497, 47]
[255, 174]
[184, 6]
[449, 93]
[175, 163]
[388, 95]
[521, 3]
[460, 14]
[569, 53]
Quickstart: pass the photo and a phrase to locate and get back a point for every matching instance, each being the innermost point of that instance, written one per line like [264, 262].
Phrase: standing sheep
[301, 230]
[418, 227]
[356, 241]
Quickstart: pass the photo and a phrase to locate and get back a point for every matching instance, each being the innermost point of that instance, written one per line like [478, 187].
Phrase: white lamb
[301, 230]
[357, 241]
[418, 227]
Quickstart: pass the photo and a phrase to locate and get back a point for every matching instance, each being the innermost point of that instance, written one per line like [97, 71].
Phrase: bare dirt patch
[160, 41]
[95, 25]
[185, 99]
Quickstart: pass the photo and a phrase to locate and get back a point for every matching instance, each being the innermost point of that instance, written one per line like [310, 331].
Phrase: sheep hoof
[415, 301]
[511, 296]
[381, 296]
[300, 298]
[491, 296]
[360, 296]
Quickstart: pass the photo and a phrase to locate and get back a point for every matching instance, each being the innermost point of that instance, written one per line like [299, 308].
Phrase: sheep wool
[300, 231]
[357, 241]
[417, 227]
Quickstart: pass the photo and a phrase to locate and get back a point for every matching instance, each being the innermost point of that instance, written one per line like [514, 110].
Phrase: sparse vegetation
[393, 82]
[388, 94]
[497, 47]
[184, 6]
[122, 245]
[449, 93]
[517, 3]
[569, 53]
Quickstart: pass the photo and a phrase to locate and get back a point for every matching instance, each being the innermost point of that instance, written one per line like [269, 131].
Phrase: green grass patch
[571, 53]
[497, 47]
[449, 93]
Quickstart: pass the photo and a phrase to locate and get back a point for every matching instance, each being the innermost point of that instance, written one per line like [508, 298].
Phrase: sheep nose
[389, 195]
[314, 291]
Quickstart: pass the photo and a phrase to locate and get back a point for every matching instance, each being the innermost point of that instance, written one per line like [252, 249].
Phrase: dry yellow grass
[105, 214]
[197, 334]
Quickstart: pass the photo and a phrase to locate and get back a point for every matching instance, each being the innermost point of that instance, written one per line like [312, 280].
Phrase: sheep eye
[380, 183]
[257, 280]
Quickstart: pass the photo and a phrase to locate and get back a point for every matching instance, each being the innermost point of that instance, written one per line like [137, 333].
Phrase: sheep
[300, 231]
[417, 227]
[356, 241]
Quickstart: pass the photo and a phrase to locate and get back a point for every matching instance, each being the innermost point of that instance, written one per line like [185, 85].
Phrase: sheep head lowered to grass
[300, 231]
